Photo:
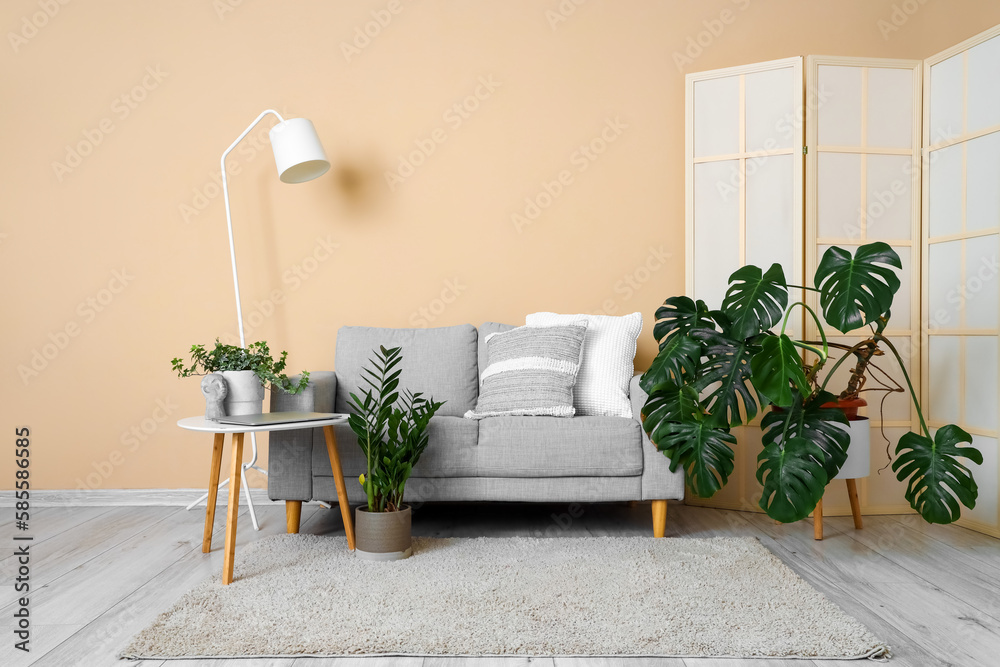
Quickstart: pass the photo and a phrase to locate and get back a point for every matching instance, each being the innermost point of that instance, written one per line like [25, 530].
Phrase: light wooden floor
[99, 575]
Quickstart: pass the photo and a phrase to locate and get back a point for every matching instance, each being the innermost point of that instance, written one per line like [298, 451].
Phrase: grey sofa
[528, 459]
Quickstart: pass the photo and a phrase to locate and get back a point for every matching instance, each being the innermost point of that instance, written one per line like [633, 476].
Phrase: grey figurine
[214, 387]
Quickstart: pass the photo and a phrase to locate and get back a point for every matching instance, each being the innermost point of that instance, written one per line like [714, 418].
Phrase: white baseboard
[126, 497]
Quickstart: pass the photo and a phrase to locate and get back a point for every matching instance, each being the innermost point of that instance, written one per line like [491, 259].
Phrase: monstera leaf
[824, 427]
[678, 357]
[793, 478]
[776, 367]
[725, 375]
[705, 453]
[935, 477]
[755, 302]
[669, 402]
[855, 291]
[680, 314]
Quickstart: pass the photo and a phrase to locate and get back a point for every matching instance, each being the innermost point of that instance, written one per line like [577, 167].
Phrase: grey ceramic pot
[382, 535]
[245, 394]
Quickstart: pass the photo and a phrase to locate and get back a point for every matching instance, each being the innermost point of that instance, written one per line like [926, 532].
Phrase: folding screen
[961, 209]
[863, 185]
[924, 178]
[743, 195]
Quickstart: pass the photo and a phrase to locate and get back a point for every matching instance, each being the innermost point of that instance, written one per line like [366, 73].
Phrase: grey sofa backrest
[441, 363]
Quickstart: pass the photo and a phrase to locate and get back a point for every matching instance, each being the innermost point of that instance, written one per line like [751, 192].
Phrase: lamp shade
[298, 154]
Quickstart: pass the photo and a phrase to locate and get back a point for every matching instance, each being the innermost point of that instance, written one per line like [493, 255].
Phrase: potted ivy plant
[717, 369]
[246, 371]
[392, 432]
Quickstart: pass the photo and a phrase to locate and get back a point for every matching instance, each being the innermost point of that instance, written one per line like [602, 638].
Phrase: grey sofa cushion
[451, 451]
[441, 363]
[485, 330]
[559, 447]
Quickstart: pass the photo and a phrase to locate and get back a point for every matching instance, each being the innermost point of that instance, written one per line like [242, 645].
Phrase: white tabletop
[201, 424]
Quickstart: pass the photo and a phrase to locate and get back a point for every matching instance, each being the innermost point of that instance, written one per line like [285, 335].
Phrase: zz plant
[717, 369]
[391, 430]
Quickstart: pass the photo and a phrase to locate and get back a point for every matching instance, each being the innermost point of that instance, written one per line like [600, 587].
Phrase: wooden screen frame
[927, 241]
[745, 459]
[838, 502]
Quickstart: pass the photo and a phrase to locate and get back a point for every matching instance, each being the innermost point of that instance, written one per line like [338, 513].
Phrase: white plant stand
[858, 465]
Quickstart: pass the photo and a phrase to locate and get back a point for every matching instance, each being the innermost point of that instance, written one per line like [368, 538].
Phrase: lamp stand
[252, 464]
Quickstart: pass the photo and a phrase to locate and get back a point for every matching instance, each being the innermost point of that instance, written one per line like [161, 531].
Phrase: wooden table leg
[213, 492]
[233, 511]
[818, 521]
[338, 481]
[659, 518]
[852, 493]
[293, 515]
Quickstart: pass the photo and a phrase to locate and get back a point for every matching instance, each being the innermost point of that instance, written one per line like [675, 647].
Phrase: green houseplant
[717, 369]
[254, 357]
[245, 370]
[392, 432]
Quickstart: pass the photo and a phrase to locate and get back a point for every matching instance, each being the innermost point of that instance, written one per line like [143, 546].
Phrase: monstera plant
[717, 369]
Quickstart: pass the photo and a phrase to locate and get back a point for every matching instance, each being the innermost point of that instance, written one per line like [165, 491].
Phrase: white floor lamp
[299, 156]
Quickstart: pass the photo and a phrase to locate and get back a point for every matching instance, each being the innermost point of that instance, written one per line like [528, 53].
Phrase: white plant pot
[245, 395]
[858, 463]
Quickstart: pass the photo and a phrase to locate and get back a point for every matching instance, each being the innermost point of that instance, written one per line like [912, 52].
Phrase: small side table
[293, 508]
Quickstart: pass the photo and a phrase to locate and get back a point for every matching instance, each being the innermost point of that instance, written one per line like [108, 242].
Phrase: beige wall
[125, 247]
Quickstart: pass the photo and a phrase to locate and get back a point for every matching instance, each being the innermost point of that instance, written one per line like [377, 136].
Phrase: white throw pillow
[608, 356]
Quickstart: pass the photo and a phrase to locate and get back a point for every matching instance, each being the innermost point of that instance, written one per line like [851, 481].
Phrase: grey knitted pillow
[531, 371]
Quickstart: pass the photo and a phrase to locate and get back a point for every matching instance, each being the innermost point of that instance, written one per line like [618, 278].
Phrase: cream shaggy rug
[594, 596]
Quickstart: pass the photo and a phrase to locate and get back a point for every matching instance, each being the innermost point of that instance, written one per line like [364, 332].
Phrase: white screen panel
[890, 107]
[946, 99]
[943, 354]
[769, 215]
[717, 116]
[771, 101]
[980, 283]
[839, 195]
[983, 181]
[984, 85]
[897, 404]
[945, 197]
[889, 199]
[962, 197]
[981, 381]
[986, 479]
[944, 280]
[883, 489]
[901, 303]
[717, 228]
[840, 112]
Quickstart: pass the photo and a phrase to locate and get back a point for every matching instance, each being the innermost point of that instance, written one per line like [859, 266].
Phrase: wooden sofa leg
[659, 518]
[293, 514]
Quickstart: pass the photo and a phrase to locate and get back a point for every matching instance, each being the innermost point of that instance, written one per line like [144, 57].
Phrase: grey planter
[382, 535]
[245, 393]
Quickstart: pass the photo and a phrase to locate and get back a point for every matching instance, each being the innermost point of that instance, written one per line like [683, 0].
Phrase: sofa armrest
[658, 483]
[290, 452]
